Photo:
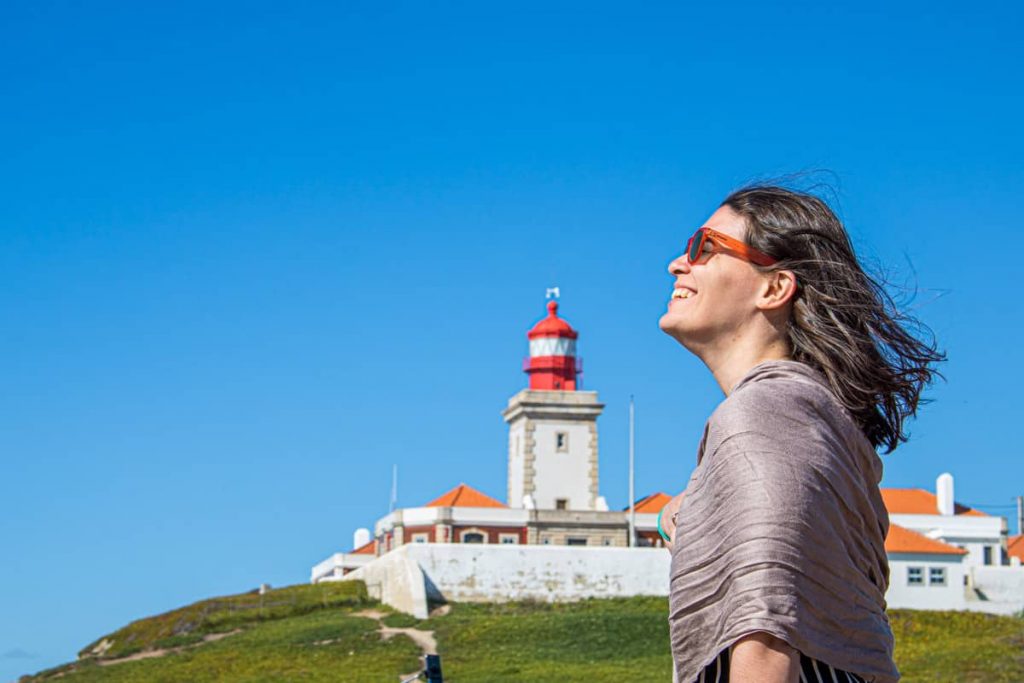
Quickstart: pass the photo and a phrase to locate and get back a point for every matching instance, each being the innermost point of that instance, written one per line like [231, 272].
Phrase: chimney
[360, 538]
[944, 492]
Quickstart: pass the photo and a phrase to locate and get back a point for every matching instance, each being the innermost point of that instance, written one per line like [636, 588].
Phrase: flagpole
[632, 494]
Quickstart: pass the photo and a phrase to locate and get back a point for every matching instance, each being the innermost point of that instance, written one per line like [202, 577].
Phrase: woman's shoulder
[775, 386]
[779, 401]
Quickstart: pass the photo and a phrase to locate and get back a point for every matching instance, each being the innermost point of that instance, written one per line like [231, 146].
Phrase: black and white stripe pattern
[811, 671]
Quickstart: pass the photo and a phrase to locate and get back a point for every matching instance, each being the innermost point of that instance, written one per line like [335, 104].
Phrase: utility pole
[1020, 515]
[632, 495]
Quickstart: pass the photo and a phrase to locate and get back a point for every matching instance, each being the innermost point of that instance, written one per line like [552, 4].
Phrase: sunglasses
[712, 241]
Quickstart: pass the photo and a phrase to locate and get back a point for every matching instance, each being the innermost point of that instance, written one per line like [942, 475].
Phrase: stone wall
[406, 577]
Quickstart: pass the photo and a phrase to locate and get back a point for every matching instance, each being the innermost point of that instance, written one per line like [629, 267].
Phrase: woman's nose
[680, 264]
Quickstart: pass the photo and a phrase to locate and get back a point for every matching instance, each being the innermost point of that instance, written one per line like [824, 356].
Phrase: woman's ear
[778, 290]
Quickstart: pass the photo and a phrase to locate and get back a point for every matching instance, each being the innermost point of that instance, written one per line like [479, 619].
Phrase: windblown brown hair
[844, 323]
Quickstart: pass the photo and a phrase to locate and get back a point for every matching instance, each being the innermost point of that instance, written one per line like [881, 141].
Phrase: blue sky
[252, 256]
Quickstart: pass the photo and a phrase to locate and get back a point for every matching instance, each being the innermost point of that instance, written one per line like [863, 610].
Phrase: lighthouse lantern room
[552, 365]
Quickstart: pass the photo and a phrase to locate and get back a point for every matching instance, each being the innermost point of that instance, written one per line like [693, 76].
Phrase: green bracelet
[661, 532]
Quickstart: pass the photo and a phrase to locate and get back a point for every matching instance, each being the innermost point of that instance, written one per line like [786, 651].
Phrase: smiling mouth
[683, 293]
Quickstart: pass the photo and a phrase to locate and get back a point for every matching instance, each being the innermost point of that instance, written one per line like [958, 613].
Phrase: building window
[936, 576]
[472, 537]
[562, 442]
[987, 554]
[508, 538]
[421, 538]
[545, 541]
[576, 541]
[915, 576]
[606, 541]
[561, 503]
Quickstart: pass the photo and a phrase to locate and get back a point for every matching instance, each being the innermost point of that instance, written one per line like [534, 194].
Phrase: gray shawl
[782, 529]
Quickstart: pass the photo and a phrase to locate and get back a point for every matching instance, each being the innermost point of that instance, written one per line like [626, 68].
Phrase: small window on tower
[561, 503]
[561, 442]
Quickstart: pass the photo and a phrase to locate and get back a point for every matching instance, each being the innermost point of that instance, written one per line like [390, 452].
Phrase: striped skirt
[811, 671]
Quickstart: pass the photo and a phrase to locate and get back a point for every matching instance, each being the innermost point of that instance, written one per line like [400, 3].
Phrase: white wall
[490, 516]
[395, 580]
[550, 573]
[494, 573]
[1001, 588]
[562, 475]
[927, 596]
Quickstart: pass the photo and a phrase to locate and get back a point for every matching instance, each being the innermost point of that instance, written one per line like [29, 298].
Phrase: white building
[923, 573]
[939, 517]
[943, 555]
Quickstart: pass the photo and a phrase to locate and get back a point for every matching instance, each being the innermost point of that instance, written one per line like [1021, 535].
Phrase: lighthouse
[552, 425]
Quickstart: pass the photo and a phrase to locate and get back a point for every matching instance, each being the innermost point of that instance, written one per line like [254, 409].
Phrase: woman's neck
[731, 365]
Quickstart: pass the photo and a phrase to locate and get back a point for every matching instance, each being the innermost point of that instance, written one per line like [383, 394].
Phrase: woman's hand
[668, 515]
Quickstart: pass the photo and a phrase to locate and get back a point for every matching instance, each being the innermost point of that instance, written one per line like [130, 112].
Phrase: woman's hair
[843, 322]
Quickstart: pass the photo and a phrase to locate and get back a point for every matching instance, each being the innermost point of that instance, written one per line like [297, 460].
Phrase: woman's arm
[762, 658]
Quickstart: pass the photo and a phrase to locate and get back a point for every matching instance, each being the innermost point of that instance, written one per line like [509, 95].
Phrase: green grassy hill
[333, 632]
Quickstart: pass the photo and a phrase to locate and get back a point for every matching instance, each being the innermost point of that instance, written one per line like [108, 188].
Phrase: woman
[779, 569]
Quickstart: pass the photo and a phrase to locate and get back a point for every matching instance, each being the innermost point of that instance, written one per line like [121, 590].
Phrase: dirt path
[425, 639]
[161, 652]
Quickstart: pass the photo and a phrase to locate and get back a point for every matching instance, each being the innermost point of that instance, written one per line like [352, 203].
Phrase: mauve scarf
[782, 529]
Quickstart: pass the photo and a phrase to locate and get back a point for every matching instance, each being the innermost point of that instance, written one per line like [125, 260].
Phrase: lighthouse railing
[578, 364]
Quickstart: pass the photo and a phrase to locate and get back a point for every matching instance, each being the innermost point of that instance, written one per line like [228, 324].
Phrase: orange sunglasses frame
[729, 244]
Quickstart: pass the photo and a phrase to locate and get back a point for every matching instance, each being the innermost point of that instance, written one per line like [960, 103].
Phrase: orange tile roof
[652, 503]
[366, 549]
[1015, 547]
[463, 496]
[902, 540]
[920, 502]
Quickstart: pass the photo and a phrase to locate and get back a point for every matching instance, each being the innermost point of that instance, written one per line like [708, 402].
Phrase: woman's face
[713, 299]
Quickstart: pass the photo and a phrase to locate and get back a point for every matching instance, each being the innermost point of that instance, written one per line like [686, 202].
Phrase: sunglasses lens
[695, 246]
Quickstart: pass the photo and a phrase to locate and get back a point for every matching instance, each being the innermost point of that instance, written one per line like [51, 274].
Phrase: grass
[593, 640]
[217, 615]
[312, 634]
[325, 646]
[966, 647]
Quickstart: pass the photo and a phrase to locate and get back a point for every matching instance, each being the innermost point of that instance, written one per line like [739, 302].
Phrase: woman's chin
[672, 325]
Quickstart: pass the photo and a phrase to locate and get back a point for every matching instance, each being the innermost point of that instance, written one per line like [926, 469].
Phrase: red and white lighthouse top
[552, 365]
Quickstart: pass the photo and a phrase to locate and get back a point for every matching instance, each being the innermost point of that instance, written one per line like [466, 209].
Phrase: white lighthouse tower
[552, 426]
